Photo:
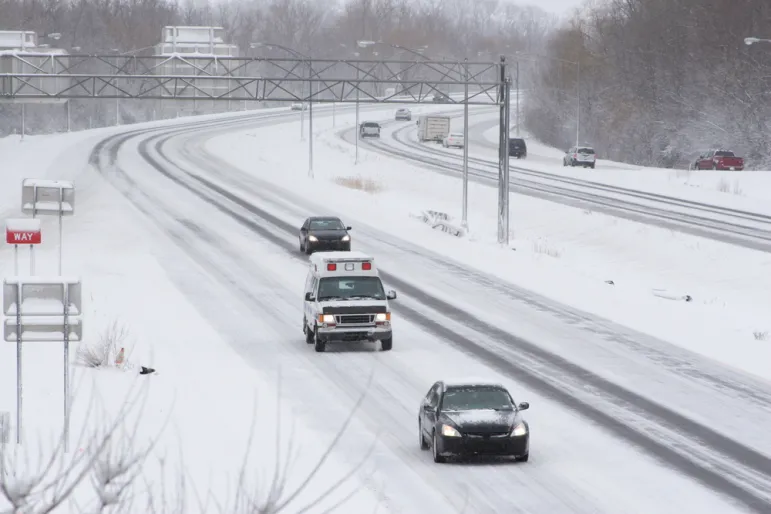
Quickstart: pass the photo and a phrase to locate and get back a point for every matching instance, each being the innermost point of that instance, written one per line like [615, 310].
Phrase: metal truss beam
[41, 77]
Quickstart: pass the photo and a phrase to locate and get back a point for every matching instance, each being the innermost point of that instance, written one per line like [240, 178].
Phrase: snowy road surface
[734, 225]
[236, 230]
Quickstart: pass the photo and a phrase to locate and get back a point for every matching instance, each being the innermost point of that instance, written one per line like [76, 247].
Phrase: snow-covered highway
[616, 413]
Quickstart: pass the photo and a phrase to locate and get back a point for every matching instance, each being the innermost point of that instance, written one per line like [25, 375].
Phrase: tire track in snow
[759, 464]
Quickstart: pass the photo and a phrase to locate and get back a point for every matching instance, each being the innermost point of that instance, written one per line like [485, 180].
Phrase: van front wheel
[386, 344]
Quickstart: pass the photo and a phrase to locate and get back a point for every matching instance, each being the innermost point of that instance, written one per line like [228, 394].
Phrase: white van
[344, 301]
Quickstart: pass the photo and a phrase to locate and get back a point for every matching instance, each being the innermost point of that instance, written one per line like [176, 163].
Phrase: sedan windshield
[350, 288]
[476, 398]
[330, 224]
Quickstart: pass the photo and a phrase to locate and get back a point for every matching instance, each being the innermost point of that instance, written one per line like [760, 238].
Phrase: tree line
[455, 29]
[660, 81]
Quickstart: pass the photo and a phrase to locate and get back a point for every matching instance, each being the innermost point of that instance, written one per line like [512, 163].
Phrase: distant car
[299, 106]
[454, 139]
[441, 98]
[324, 233]
[719, 160]
[369, 129]
[403, 115]
[580, 156]
[517, 147]
[472, 417]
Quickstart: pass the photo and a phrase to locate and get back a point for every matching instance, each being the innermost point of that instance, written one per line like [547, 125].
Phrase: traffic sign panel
[23, 231]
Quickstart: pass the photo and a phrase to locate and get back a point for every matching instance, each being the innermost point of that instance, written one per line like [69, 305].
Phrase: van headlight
[383, 316]
[327, 318]
[519, 430]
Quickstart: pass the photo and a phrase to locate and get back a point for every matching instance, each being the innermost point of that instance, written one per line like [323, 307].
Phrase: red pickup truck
[719, 160]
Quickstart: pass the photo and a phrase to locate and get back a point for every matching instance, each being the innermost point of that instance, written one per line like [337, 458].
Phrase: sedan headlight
[383, 316]
[519, 430]
[346, 238]
[448, 431]
[313, 238]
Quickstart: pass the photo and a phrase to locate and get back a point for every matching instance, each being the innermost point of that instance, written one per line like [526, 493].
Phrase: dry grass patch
[361, 183]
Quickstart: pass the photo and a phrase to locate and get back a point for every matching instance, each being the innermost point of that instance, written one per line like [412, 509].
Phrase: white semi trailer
[433, 128]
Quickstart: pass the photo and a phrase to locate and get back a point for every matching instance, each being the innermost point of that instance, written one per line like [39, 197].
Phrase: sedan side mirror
[348, 228]
[391, 295]
[523, 406]
[308, 297]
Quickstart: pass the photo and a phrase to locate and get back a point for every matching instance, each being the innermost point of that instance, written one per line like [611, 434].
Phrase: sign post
[40, 309]
[48, 197]
[24, 231]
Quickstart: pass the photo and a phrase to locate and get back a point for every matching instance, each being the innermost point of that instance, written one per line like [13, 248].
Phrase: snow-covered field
[213, 304]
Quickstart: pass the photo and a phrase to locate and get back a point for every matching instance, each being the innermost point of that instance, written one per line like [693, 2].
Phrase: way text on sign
[23, 237]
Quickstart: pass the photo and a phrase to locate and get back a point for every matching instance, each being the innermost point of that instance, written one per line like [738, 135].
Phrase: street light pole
[752, 40]
[578, 104]
[310, 119]
[464, 220]
[356, 132]
[518, 121]
[308, 60]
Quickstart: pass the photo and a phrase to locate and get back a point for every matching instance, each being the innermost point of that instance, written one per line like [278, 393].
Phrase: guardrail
[440, 221]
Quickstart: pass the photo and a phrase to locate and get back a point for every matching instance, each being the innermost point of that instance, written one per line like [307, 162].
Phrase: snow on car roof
[472, 381]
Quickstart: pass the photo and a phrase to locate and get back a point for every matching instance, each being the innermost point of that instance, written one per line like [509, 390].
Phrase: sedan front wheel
[434, 450]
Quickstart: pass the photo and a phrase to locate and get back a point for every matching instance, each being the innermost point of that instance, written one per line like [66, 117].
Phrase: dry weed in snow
[34, 479]
[724, 186]
[544, 248]
[362, 184]
[106, 472]
[102, 354]
[760, 335]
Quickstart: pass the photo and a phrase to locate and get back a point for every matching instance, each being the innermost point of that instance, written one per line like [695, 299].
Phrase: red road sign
[23, 232]
[23, 237]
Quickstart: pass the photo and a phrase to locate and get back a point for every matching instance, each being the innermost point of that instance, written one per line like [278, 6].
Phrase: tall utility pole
[517, 87]
[464, 221]
[578, 103]
[356, 132]
[310, 117]
[504, 99]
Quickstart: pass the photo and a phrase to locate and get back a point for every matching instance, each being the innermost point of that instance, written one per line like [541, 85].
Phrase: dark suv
[517, 147]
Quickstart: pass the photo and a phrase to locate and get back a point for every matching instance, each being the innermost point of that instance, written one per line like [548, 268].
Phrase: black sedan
[324, 233]
[472, 418]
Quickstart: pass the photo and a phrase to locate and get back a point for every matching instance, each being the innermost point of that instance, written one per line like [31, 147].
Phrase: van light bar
[366, 266]
[331, 267]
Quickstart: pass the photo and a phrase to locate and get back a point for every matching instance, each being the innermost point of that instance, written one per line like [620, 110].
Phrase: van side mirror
[308, 297]
[523, 406]
[391, 295]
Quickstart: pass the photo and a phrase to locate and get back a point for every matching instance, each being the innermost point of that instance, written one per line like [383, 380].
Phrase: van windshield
[350, 288]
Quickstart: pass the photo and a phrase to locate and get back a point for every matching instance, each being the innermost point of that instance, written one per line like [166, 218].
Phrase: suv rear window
[589, 151]
[517, 142]
[370, 124]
